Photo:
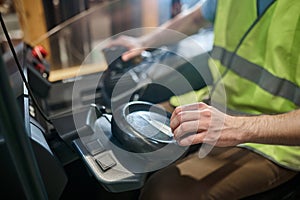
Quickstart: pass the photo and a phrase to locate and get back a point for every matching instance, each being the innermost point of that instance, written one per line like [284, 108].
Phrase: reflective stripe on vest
[250, 71]
[260, 62]
[257, 50]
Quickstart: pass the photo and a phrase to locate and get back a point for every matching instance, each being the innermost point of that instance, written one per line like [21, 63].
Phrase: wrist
[255, 129]
[245, 128]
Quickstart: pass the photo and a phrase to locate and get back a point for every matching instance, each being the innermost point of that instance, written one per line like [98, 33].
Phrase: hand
[200, 123]
[134, 46]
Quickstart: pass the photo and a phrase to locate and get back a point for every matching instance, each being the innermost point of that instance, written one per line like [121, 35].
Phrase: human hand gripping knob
[201, 123]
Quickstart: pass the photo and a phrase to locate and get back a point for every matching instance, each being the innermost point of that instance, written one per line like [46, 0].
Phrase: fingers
[190, 123]
[189, 107]
[200, 123]
[131, 54]
[187, 128]
[202, 116]
[192, 112]
[183, 117]
[192, 139]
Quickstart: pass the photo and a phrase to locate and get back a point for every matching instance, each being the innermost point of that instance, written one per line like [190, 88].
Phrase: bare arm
[186, 23]
[200, 123]
[272, 129]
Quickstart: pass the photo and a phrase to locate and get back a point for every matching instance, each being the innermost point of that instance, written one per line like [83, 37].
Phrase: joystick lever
[94, 113]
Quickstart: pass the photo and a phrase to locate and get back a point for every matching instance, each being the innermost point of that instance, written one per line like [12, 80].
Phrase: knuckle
[176, 113]
[184, 127]
[202, 105]
[206, 113]
[177, 110]
[179, 116]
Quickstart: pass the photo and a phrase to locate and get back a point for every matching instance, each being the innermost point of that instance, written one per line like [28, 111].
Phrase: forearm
[271, 129]
[200, 123]
[186, 23]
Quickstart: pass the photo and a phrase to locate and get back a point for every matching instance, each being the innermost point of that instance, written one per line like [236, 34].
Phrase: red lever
[39, 52]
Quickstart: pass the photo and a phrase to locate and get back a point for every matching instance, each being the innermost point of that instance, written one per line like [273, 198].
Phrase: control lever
[94, 113]
[99, 110]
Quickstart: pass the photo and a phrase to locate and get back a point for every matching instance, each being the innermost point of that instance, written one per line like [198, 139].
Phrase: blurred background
[69, 30]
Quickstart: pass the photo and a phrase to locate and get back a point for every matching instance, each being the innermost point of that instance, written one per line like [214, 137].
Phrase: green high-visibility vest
[258, 59]
[256, 67]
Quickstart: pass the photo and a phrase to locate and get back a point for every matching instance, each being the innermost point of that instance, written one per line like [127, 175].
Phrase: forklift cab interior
[82, 147]
[118, 151]
[91, 148]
